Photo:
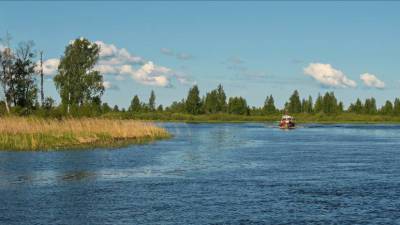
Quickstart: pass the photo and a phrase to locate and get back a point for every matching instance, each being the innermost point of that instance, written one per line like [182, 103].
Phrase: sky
[253, 49]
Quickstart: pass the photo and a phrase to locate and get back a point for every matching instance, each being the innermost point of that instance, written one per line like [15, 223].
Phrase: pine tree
[152, 101]
[294, 105]
[357, 107]
[318, 104]
[370, 106]
[396, 107]
[387, 109]
[211, 102]
[135, 106]
[269, 105]
[221, 99]
[238, 105]
[193, 101]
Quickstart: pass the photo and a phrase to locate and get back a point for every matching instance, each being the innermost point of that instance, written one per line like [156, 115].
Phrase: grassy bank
[216, 118]
[17, 133]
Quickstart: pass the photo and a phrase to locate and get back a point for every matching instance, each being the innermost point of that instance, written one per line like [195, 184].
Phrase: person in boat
[287, 122]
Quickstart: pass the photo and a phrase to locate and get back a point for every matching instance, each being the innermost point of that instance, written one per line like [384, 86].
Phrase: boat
[287, 122]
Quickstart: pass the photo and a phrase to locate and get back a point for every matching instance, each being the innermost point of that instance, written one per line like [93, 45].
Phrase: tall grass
[17, 133]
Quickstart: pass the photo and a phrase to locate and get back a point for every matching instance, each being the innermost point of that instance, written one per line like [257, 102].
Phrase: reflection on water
[213, 174]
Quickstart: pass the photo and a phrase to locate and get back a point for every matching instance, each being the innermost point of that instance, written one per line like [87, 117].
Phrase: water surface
[213, 174]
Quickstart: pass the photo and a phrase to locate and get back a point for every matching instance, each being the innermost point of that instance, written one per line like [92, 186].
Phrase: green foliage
[238, 105]
[48, 103]
[215, 101]
[177, 107]
[318, 107]
[152, 101]
[76, 81]
[23, 90]
[329, 103]
[370, 106]
[193, 103]
[135, 106]
[387, 109]
[294, 104]
[269, 105]
[307, 105]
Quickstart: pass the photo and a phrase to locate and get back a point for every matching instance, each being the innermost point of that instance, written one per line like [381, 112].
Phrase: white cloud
[148, 74]
[329, 76]
[370, 80]
[120, 62]
[109, 85]
[183, 56]
[1, 47]
[166, 51]
[178, 55]
[111, 55]
[50, 66]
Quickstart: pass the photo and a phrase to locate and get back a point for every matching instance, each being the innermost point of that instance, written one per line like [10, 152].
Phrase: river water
[248, 173]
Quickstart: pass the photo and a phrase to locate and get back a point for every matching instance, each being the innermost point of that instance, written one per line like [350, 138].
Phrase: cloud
[166, 51]
[50, 67]
[328, 76]
[149, 74]
[111, 55]
[370, 80]
[1, 47]
[109, 86]
[237, 65]
[121, 63]
[184, 56]
[178, 55]
[235, 60]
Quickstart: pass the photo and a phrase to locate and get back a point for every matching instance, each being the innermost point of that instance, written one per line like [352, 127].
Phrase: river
[251, 173]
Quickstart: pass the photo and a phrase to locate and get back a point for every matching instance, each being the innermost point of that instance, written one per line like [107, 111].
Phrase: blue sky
[253, 48]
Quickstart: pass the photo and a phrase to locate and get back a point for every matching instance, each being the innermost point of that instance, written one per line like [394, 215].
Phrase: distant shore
[230, 118]
[33, 134]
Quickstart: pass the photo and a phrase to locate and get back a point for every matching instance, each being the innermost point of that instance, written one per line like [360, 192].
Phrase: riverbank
[231, 118]
[30, 134]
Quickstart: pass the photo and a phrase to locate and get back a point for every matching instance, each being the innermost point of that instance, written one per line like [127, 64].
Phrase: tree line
[216, 101]
[80, 88]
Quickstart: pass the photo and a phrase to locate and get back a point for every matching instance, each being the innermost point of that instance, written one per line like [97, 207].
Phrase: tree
[221, 99]
[269, 105]
[340, 107]
[357, 107]
[294, 105]
[77, 81]
[160, 108]
[211, 104]
[396, 107]
[329, 103]
[152, 101]
[24, 92]
[105, 108]
[135, 105]
[116, 109]
[193, 103]
[6, 62]
[41, 78]
[238, 105]
[370, 106]
[387, 109]
[177, 107]
[307, 105]
[48, 103]
[318, 107]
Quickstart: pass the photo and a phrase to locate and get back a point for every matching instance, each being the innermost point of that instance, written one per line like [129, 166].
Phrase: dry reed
[18, 133]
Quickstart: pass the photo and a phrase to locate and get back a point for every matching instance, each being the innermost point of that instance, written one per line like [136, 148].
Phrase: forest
[80, 88]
